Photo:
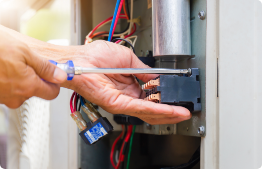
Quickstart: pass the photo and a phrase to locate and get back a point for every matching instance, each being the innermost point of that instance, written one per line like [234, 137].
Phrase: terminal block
[176, 90]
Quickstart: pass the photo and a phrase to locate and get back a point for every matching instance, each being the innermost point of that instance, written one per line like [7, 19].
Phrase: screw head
[202, 15]
[201, 130]
[148, 126]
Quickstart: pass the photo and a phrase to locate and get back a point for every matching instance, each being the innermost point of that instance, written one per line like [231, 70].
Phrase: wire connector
[91, 112]
[136, 20]
[80, 122]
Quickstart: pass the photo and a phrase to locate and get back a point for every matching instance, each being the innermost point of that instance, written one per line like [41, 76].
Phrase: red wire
[121, 155]
[113, 148]
[71, 103]
[122, 16]
[75, 102]
[117, 16]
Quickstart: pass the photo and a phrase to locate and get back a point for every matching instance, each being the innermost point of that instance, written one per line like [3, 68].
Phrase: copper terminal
[153, 97]
[151, 84]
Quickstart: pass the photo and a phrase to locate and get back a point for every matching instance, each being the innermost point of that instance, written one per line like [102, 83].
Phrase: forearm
[42, 49]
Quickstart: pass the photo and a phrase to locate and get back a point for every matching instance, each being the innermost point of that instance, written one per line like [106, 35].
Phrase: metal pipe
[171, 27]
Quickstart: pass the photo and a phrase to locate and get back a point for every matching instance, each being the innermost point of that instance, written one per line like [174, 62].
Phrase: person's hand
[119, 94]
[22, 74]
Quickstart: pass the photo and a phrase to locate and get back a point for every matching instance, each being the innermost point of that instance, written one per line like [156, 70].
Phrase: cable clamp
[136, 20]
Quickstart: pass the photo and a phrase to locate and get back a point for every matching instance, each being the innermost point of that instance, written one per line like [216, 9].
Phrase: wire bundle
[73, 102]
[121, 157]
[128, 32]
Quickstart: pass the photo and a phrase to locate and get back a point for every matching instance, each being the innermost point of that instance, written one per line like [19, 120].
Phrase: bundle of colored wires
[73, 102]
[118, 8]
[130, 147]
[123, 147]
[129, 136]
[92, 35]
[129, 31]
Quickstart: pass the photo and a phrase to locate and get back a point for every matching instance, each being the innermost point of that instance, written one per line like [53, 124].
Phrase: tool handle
[68, 67]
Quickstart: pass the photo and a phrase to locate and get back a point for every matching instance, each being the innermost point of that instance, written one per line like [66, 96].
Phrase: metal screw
[148, 126]
[201, 130]
[202, 15]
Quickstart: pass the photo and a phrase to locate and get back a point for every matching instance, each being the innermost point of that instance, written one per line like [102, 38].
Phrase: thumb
[46, 70]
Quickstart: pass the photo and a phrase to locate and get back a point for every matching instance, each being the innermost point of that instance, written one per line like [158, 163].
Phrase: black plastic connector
[127, 120]
[96, 131]
[176, 90]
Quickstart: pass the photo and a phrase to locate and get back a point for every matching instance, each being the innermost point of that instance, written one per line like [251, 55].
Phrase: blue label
[95, 133]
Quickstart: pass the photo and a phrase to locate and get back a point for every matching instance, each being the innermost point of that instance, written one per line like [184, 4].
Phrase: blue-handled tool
[72, 70]
[68, 67]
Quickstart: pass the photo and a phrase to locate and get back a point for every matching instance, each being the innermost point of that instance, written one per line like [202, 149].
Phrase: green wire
[130, 147]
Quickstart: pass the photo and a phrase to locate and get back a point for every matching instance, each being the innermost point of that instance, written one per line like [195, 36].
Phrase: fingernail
[59, 75]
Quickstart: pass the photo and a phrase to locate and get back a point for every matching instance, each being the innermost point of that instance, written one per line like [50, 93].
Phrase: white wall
[234, 39]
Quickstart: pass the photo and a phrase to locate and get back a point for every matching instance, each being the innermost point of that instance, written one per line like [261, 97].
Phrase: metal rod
[132, 71]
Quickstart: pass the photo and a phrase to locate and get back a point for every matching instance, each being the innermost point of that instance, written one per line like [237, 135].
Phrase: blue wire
[113, 21]
[82, 101]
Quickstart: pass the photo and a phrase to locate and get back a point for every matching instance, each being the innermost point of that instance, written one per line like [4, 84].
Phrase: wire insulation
[116, 39]
[113, 21]
[117, 16]
[113, 147]
[121, 155]
[130, 147]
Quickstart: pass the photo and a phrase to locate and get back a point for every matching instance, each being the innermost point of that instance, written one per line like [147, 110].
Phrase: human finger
[140, 108]
[44, 89]
[45, 69]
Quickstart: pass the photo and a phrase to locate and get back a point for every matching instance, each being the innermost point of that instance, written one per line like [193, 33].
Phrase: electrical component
[98, 126]
[171, 28]
[127, 120]
[80, 122]
[176, 90]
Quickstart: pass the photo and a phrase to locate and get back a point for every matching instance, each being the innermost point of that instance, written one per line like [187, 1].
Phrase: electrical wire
[129, 38]
[124, 145]
[101, 24]
[113, 21]
[116, 39]
[73, 102]
[130, 26]
[117, 16]
[82, 101]
[131, 14]
[130, 147]
[127, 8]
[113, 147]
[125, 11]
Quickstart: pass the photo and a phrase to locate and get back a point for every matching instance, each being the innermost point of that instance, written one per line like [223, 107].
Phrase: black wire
[116, 39]
[127, 9]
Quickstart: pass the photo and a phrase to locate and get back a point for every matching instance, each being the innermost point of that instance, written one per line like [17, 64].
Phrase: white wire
[131, 16]
[134, 42]
[129, 39]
